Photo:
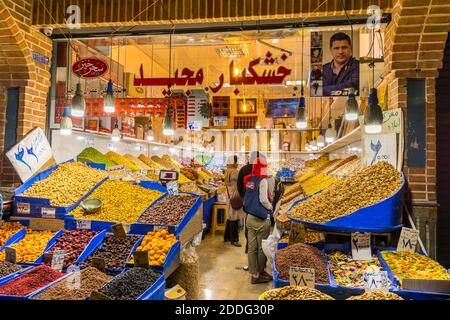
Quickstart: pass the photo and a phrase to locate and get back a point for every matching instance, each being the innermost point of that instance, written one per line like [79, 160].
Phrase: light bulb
[373, 117]
[301, 118]
[330, 134]
[66, 123]
[115, 135]
[258, 125]
[313, 145]
[307, 147]
[236, 71]
[78, 103]
[150, 135]
[109, 102]
[352, 108]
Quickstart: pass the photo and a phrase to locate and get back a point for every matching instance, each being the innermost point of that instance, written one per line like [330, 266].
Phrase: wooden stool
[216, 226]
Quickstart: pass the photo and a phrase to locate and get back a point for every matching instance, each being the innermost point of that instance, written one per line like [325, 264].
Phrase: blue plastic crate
[16, 276]
[38, 204]
[382, 217]
[409, 294]
[140, 228]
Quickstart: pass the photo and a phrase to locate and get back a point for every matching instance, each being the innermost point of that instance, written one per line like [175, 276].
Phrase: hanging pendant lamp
[373, 117]
[168, 122]
[109, 102]
[78, 103]
[301, 118]
[330, 134]
[66, 123]
[321, 141]
[352, 108]
[150, 133]
[115, 136]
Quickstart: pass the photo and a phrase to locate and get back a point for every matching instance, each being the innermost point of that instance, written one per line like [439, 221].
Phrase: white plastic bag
[269, 247]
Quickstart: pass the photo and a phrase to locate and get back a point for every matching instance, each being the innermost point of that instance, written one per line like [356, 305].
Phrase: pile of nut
[191, 188]
[348, 169]
[303, 256]
[138, 163]
[338, 164]
[95, 156]
[91, 279]
[122, 202]
[377, 295]
[6, 268]
[317, 183]
[131, 284]
[366, 188]
[67, 184]
[168, 211]
[190, 173]
[149, 162]
[73, 244]
[114, 250]
[296, 293]
[121, 160]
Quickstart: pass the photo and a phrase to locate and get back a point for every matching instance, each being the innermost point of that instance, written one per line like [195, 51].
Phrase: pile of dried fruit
[303, 256]
[95, 156]
[73, 243]
[64, 186]
[295, 293]
[131, 284]
[90, 279]
[404, 264]
[6, 268]
[157, 245]
[30, 248]
[348, 272]
[168, 211]
[30, 281]
[122, 202]
[377, 295]
[7, 230]
[115, 251]
[190, 173]
[121, 160]
[366, 188]
[138, 163]
[319, 162]
[317, 183]
[295, 164]
[191, 188]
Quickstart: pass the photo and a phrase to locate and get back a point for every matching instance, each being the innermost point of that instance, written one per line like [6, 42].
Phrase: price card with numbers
[302, 277]
[408, 240]
[376, 281]
[58, 260]
[172, 188]
[23, 208]
[49, 213]
[11, 254]
[83, 224]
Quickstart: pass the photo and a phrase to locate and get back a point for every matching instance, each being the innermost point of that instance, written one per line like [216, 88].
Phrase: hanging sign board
[376, 281]
[393, 121]
[31, 155]
[90, 68]
[381, 148]
[408, 240]
[302, 277]
[361, 246]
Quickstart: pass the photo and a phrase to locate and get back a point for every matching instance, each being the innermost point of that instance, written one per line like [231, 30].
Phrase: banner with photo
[335, 65]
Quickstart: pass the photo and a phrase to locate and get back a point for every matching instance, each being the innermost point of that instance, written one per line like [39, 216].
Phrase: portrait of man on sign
[342, 72]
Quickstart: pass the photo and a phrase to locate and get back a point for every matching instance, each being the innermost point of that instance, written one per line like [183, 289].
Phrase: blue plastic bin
[37, 204]
[382, 217]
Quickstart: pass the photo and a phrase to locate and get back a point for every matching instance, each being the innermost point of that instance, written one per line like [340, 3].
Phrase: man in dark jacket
[343, 71]
[245, 171]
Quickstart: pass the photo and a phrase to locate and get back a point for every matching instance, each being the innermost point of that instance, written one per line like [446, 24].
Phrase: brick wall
[18, 41]
[415, 41]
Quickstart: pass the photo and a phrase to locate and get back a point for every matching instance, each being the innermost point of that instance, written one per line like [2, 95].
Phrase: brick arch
[416, 37]
[16, 61]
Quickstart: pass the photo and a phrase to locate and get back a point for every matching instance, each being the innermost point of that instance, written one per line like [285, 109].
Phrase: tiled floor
[221, 273]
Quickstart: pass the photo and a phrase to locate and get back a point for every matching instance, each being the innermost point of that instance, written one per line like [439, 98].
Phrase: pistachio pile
[67, 184]
[377, 295]
[296, 293]
[360, 190]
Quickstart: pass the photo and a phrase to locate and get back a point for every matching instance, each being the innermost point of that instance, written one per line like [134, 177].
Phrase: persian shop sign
[90, 68]
[248, 75]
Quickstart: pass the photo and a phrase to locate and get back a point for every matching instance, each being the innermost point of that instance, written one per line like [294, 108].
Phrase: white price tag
[361, 246]
[408, 240]
[58, 260]
[23, 208]
[83, 224]
[144, 172]
[172, 188]
[376, 281]
[49, 213]
[302, 277]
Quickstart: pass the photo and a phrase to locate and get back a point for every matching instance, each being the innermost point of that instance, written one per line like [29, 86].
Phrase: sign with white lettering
[117, 172]
[408, 240]
[297, 233]
[361, 246]
[381, 147]
[376, 281]
[302, 277]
